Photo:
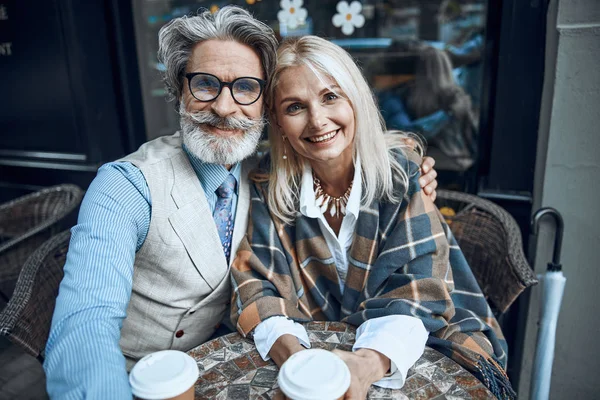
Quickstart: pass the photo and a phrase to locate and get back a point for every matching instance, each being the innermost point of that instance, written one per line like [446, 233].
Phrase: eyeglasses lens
[205, 87]
[244, 90]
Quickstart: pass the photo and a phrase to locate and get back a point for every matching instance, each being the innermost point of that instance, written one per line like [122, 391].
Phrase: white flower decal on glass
[292, 14]
[349, 17]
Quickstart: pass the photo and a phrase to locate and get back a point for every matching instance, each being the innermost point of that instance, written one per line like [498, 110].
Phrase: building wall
[568, 179]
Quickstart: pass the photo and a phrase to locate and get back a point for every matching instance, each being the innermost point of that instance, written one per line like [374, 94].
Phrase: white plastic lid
[163, 374]
[314, 374]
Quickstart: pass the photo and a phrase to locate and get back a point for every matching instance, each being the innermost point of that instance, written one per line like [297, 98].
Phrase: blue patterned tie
[222, 215]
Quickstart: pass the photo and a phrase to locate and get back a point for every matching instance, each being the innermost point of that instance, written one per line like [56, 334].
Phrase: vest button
[179, 334]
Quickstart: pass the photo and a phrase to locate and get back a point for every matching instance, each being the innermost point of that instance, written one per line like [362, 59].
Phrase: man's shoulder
[156, 150]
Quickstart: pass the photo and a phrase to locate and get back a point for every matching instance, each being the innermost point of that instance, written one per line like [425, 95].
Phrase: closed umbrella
[553, 286]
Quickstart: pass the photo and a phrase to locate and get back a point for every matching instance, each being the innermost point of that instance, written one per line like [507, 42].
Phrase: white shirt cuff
[267, 332]
[401, 338]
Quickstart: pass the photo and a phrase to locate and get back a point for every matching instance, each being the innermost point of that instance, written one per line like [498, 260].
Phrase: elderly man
[148, 264]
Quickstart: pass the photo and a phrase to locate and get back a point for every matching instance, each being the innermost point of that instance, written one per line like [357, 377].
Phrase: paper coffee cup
[314, 374]
[167, 374]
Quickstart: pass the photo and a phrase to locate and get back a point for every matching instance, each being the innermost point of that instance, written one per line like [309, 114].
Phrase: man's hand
[428, 173]
[366, 367]
[427, 180]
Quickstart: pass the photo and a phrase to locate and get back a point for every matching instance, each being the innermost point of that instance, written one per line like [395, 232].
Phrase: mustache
[212, 119]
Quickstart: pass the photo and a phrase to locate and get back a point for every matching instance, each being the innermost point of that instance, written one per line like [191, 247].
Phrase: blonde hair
[378, 172]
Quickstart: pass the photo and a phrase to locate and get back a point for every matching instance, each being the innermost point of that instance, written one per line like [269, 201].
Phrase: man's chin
[226, 149]
[225, 156]
[219, 153]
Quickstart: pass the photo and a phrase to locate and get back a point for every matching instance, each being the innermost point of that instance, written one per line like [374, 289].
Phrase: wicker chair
[26, 319]
[27, 222]
[491, 242]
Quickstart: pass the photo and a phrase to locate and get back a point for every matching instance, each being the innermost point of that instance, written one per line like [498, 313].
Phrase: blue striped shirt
[83, 357]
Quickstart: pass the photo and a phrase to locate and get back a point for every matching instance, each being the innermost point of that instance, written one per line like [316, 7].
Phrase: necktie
[222, 215]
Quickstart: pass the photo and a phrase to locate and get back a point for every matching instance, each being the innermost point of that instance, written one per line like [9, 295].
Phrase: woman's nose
[317, 119]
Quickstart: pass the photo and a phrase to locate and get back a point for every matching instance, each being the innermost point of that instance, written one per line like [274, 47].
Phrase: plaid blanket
[403, 260]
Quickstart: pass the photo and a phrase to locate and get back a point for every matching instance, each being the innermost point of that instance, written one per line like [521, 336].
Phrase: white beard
[225, 150]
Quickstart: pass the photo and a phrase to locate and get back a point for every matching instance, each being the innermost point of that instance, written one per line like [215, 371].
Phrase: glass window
[422, 58]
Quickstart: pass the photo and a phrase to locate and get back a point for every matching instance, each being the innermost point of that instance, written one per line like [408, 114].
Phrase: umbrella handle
[535, 220]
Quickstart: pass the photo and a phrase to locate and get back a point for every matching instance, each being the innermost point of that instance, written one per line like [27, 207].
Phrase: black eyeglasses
[206, 87]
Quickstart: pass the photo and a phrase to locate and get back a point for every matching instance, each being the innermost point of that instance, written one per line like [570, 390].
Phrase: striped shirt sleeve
[83, 357]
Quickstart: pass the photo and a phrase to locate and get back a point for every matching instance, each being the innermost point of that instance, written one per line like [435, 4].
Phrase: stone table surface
[231, 368]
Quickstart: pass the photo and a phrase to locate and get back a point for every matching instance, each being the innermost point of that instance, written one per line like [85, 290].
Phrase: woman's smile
[321, 139]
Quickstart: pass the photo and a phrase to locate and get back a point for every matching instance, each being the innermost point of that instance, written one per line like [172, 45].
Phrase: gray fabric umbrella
[553, 286]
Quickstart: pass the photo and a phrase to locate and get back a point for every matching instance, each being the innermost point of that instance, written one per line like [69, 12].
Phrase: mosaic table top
[231, 368]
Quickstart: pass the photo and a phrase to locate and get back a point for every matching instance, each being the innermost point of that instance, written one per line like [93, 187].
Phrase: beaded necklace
[334, 205]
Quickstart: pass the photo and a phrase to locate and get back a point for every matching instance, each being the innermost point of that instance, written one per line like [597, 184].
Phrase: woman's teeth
[323, 138]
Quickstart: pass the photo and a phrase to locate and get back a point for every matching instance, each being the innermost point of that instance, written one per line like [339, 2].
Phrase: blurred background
[505, 93]
[85, 86]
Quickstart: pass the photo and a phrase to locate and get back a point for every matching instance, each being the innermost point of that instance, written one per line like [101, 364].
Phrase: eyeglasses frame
[262, 83]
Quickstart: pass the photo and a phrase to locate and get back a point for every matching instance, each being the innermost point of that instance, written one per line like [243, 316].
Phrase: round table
[231, 368]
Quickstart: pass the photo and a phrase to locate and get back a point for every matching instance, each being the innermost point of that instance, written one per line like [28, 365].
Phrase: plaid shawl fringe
[494, 378]
[403, 260]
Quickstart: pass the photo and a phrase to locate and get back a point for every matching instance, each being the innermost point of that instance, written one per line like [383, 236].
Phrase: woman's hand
[283, 348]
[427, 180]
[366, 367]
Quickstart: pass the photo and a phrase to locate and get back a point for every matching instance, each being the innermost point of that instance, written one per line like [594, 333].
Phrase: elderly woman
[340, 230]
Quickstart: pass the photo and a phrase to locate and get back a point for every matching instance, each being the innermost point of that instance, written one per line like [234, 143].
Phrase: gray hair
[177, 39]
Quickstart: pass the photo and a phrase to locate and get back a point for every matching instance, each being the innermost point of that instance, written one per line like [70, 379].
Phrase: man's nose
[224, 105]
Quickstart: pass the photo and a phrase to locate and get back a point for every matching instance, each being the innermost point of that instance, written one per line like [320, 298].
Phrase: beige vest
[181, 278]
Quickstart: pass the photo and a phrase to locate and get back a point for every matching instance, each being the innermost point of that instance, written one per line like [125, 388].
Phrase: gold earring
[284, 149]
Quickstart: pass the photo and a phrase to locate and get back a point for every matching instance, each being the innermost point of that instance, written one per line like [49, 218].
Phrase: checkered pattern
[222, 215]
[403, 260]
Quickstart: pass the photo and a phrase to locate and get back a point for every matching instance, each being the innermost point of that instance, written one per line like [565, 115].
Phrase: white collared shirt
[401, 338]
[338, 245]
